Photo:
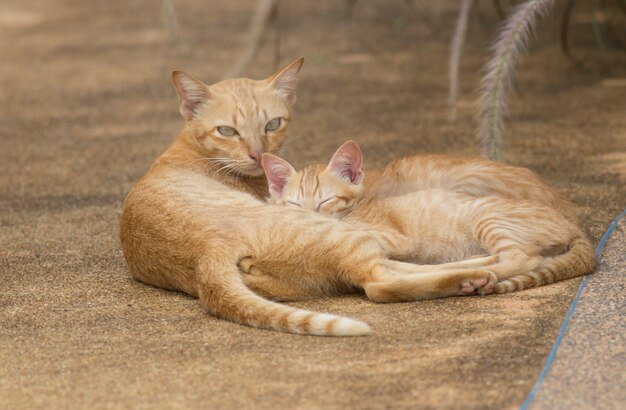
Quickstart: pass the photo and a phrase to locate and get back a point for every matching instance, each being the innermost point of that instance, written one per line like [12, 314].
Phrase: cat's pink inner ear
[347, 163]
[192, 94]
[278, 171]
[286, 80]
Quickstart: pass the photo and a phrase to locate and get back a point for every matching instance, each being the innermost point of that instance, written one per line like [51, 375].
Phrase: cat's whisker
[228, 168]
[232, 168]
[208, 159]
[218, 165]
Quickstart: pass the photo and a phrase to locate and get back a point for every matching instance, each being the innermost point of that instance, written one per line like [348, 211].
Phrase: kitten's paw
[482, 286]
[245, 265]
[490, 286]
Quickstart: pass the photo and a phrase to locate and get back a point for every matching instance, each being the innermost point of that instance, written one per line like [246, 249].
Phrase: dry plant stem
[499, 9]
[260, 22]
[500, 70]
[171, 20]
[278, 22]
[349, 4]
[565, 21]
[597, 32]
[455, 55]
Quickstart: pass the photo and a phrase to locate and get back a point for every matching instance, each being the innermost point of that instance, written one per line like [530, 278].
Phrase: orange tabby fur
[198, 214]
[444, 216]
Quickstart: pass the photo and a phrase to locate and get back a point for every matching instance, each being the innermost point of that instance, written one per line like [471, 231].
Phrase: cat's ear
[278, 171]
[192, 94]
[347, 163]
[285, 81]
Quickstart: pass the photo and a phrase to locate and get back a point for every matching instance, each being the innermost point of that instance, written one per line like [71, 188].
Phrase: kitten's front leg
[431, 285]
[481, 261]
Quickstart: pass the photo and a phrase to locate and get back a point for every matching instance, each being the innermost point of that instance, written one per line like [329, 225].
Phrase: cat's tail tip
[324, 324]
[351, 327]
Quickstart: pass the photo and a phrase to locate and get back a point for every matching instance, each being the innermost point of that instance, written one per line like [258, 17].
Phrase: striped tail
[225, 295]
[577, 261]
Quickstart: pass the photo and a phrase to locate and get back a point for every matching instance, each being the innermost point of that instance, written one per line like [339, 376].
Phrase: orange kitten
[197, 221]
[527, 243]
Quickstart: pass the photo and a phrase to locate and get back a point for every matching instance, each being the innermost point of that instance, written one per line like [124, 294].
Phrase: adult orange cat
[528, 243]
[199, 212]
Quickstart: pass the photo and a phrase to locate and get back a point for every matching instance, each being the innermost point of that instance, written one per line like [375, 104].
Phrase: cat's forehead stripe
[255, 101]
[247, 106]
[310, 181]
[319, 193]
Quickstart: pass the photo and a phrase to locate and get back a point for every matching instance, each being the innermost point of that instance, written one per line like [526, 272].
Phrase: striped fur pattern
[523, 233]
[197, 221]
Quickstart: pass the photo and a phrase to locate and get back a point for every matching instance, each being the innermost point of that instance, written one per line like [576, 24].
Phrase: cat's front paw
[482, 286]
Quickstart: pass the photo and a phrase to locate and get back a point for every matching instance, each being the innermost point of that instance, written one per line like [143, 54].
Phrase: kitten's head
[333, 189]
[235, 121]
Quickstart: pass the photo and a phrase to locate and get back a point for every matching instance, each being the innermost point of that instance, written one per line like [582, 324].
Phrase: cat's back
[469, 175]
[435, 224]
[452, 172]
[429, 206]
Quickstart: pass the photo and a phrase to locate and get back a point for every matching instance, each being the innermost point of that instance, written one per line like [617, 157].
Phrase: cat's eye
[272, 125]
[227, 131]
[325, 201]
[294, 204]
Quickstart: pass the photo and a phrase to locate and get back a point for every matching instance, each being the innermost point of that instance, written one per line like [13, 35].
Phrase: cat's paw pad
[467, 288]
[481, 286]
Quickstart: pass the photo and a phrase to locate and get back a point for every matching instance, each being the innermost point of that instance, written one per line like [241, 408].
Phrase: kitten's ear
[278, 171]
[192, 93]
[347, 163]
[285, 81]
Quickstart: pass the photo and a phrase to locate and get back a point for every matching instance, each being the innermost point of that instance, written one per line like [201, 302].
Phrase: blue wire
[570, 312]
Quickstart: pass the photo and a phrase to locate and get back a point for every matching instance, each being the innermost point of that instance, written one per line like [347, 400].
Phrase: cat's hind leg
[514, 262]
[273, 288]
[577, 260]
[506, 265]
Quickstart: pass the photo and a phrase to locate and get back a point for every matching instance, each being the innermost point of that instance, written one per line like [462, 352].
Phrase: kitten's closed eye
[337, 205]
[294, 204]
[323, 202]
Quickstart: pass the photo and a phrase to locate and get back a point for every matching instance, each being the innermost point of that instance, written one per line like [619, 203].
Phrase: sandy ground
[86, 106]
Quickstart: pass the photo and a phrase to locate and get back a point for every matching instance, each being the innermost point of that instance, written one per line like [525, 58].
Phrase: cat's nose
[256, 156]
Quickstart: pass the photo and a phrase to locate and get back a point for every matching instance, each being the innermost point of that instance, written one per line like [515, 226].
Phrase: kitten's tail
[225, 295]
[577, 261]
